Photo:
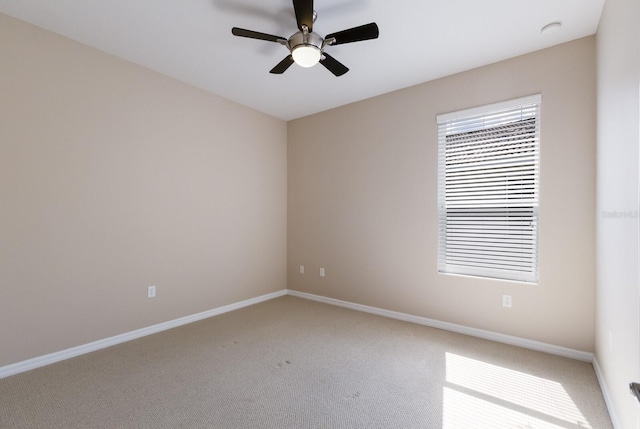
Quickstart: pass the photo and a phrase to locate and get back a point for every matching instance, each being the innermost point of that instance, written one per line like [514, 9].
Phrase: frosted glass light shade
[306, 55]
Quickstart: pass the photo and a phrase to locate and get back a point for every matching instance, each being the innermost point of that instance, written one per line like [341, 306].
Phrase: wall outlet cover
[506, 301]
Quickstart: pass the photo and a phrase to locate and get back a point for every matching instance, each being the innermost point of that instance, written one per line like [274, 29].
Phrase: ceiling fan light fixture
[306, 55]
[305, 47]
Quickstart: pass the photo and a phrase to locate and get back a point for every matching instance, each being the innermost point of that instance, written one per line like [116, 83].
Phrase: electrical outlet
[151, 292]
[506, 301]
[301, 269]
[321, 272]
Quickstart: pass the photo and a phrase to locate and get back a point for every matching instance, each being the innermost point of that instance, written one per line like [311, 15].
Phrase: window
[488, 164]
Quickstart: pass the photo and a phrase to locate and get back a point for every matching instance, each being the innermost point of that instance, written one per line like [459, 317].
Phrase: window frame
[485, 257]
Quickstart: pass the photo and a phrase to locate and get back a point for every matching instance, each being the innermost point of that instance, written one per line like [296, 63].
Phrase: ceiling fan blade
[282, 65]
[355, 34]
[333, 65]
[256, 35]
[304, 13]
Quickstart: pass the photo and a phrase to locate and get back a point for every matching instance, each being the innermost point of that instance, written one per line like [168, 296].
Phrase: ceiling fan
[308, 48]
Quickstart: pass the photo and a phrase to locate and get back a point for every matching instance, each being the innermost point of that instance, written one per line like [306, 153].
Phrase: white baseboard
[48, 359]
[605, 392]
[487, 335]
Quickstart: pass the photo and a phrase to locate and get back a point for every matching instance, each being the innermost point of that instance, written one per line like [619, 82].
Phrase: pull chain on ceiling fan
[307, 48]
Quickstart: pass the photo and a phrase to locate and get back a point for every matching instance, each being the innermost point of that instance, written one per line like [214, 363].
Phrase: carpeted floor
[293, 363]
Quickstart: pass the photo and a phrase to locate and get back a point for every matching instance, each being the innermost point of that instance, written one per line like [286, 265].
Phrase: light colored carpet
[293, 363]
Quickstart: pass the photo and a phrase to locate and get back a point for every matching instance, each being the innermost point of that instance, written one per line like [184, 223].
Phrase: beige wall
[114, 178]
[618, 298]
[362, 198]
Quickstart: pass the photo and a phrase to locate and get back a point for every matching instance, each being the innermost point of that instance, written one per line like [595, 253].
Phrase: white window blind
[488, 173]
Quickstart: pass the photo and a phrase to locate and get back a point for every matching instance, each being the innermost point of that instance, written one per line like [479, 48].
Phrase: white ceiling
[420, 40]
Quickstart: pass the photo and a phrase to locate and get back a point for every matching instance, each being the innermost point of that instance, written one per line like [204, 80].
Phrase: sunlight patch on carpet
[478, 394]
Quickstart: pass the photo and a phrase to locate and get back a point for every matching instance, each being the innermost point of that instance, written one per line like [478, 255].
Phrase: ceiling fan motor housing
[306, 48]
